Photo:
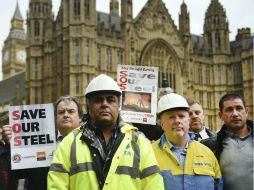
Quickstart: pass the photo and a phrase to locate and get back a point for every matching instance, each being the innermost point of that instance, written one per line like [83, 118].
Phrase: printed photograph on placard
[136, 101]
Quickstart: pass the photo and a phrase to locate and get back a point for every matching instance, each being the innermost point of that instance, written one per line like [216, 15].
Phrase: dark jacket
[152, 132]
[35, 178]
[7, 180]
[216, 143]
[210, 133]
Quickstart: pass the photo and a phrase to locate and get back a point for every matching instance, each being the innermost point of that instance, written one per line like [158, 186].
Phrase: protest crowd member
[184, 162]
[105, 153]
[197, 121]
[7, 180]
[233, 145]
[68, 114]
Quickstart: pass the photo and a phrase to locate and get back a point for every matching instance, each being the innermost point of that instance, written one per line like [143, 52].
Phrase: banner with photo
[33, 135]
[139, 93]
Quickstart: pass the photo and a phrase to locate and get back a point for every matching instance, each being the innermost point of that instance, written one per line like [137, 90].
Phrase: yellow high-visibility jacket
[133, 166]
[201, 171]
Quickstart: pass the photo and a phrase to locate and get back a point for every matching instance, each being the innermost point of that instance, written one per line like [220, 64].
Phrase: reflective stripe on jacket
[201, 172]
[134, 165]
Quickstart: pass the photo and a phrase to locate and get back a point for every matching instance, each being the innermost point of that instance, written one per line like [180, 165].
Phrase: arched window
[159, 54]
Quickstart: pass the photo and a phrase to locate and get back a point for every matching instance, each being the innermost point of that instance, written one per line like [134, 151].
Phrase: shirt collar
[203, 134]
[59, 137]
[164, 140]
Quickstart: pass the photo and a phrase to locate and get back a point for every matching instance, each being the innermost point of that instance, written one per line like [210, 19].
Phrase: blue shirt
[180, 154]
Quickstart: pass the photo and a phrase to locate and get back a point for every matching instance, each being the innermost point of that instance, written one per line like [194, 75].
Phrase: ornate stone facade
[65, 53]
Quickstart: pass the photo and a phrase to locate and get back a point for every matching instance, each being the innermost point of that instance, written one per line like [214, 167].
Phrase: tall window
[77, 84]
[36, 95]
[109, 59]
[77, 47]
[209, 41]
[99, 58]
[36, 69]
[200, 73]
[237, 69]
[208, 78]
[251, 68]
[218, 75]
[36, 28]
[217, 40]
[87, 54]
[88, 78]
[209, 100]
[119, 57]
[86, 7]
[201, 98]
[172, 80]
[76, 7]
[210, 122]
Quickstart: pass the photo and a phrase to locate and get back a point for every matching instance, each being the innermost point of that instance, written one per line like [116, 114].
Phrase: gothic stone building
[64, 53]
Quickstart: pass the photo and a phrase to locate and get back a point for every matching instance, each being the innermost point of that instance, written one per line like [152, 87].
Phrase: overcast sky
[239, 13]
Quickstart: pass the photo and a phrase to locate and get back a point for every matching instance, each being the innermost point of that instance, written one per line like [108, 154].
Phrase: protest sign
[139, 93]
[33, 135]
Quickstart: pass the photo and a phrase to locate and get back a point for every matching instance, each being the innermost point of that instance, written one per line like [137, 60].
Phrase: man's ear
[220, 114]
[247, 110]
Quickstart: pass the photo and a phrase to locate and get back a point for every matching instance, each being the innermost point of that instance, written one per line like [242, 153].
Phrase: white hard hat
[170, 101]
[102, 83]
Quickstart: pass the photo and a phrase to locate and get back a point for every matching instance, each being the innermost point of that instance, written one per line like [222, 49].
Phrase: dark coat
[7, 179]
[210, 133]
[152, 132]
[35, 178]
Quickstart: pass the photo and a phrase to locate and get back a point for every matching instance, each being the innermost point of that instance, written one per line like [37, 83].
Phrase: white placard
[139, 93]
[33, 135]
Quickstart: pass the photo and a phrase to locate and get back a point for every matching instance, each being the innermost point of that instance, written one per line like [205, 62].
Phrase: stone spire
[184, 21]
[17, 20]
[17, 15]
[216, 31]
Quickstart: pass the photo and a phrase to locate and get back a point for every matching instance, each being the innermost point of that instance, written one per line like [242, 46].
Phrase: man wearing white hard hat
[184, 163]
[105, 153]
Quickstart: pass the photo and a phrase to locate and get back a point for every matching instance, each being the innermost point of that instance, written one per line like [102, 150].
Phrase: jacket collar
[222, 132]
[164, 140]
